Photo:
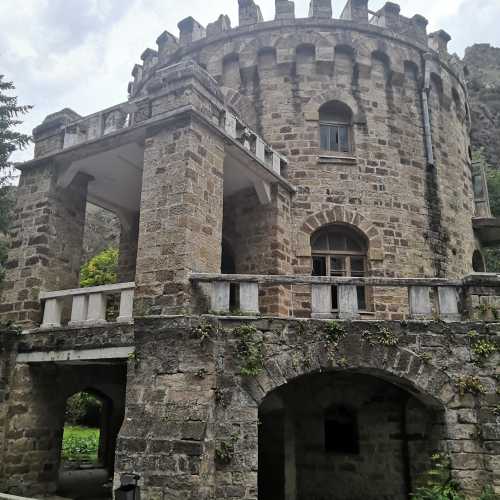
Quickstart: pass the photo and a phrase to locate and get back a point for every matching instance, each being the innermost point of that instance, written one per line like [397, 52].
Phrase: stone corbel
[263, 190]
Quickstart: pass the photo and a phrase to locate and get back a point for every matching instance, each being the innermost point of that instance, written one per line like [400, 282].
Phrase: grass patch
[80, 444]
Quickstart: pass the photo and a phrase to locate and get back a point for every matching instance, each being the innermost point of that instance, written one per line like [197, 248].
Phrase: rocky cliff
[483, 66]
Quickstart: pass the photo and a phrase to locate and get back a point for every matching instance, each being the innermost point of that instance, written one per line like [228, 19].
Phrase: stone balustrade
[427, 298]
[100, 124]
[237, 130]
[88, 305]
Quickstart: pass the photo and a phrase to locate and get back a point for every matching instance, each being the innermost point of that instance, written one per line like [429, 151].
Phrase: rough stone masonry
[303, 308]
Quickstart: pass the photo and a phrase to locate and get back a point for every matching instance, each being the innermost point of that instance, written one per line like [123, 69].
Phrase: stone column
[34, 432]
[46, 242]
[128, 248]
[180, 229]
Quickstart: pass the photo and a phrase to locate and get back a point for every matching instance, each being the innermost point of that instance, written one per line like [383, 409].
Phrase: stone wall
[385, 181]
[483, 63]
[192, 419]
[46, 241]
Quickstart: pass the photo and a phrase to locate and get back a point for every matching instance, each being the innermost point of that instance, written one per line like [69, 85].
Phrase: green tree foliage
[84, 409]
[101, 269]
[10, 141]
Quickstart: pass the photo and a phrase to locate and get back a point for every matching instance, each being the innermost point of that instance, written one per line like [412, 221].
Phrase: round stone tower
[371, 113]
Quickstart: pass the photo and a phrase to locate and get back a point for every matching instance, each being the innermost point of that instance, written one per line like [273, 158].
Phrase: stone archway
[292, 386]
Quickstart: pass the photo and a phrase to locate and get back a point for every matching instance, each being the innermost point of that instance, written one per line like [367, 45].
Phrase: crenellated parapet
[195, 40]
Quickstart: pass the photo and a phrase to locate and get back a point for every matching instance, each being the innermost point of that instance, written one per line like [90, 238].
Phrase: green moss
[470, 384]
[249, 350]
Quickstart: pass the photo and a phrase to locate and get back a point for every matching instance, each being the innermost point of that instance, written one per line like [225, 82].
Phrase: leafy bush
[101, 269]
[83, 409]
[80, 444]
[436, 483]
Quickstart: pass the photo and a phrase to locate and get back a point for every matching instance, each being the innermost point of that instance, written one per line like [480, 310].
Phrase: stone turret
[222, 24]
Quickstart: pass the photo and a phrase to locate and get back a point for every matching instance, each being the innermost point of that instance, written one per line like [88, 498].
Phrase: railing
[88, 305]
[446, 303]
[236, 129]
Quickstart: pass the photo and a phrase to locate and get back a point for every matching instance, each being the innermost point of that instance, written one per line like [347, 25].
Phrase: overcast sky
[79, 53]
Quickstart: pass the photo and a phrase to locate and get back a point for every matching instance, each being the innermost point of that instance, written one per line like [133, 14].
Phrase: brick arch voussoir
[397, 365]
[343, 215]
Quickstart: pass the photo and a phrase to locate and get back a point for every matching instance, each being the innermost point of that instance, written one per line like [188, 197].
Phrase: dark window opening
[478, 264]
[341, 432]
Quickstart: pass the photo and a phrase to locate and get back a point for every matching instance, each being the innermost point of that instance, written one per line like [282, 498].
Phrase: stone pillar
[320, 8]
[47, 242]
[249, 12]
[285, 9]
[129, 236]
[34, 432]
[216, 28]
[167, 436]
[167, 45]
[438, 41]
[190, 31]
[180, 228]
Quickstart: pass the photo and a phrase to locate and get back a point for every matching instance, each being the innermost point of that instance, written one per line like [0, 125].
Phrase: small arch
[266, 57]
[344, 60]
[381, 65]
[478, 262]
[231, 71]
[411, 71]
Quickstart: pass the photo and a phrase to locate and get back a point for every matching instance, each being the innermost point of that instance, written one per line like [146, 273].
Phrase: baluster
[260, 149]
[448, 303]
[321, 301]
[97, 308]
[348, 302]
[276, 163]
[126, 306]
[420, 302]
[219, 300]
[230, 125]
[52, 313]
[249, 298]
[79, 309]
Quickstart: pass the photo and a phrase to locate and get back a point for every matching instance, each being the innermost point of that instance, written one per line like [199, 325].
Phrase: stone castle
[304, 312]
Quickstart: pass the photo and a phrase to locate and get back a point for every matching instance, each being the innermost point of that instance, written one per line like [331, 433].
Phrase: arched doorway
[343, 435]
[478, 264]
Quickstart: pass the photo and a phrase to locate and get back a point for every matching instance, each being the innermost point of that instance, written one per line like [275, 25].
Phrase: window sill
[337, 158]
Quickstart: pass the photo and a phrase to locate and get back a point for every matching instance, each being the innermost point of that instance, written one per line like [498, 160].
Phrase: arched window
[335, 120]
[339, 250]
[478, 265]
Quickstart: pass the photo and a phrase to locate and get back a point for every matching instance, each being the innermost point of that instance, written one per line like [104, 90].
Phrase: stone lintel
[74, 355]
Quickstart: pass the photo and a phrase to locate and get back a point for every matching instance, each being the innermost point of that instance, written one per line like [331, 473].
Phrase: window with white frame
[339, 251]
[335, 123]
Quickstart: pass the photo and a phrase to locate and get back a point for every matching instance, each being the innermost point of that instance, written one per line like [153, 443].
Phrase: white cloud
[79, 53]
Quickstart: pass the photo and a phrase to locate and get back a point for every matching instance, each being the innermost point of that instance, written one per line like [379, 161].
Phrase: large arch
[395, 364]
